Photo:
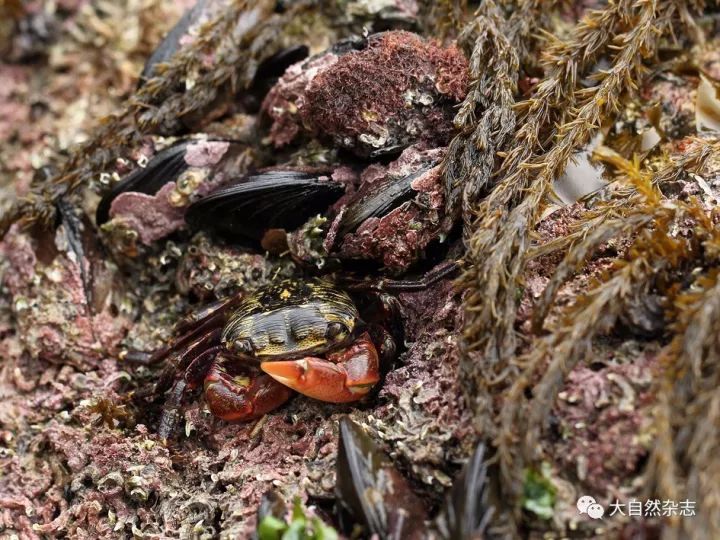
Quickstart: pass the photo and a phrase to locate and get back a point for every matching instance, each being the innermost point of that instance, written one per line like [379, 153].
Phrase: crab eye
[242, 346]
[336, 331]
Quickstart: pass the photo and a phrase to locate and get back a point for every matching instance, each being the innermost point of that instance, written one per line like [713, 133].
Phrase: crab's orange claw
[242, 398]
[346, 376]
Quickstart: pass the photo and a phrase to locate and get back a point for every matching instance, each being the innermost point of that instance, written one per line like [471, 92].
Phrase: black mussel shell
[270, 200]
[466, 512]
[171, 42]
[372, 491]
[83, 244]
[273, 67]
[164, 167]
[268, 73]
[382, 197]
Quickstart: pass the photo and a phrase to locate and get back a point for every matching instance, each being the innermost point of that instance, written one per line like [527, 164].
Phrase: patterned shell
[290, 318]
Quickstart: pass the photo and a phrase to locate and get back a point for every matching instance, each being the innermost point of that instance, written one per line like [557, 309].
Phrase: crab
[379, 207]
[250, 352]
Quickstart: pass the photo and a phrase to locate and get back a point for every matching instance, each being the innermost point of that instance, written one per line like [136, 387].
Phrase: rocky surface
[79, 451]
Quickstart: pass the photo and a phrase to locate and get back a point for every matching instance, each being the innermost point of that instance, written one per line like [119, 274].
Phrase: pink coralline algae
[205, 153]
[601, 415]
[151, 216]
[397, 90]
[423, 415]
[57, 318]
[281, 103]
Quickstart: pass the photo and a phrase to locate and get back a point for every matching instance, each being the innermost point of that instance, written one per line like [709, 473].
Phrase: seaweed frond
[443, 17]
[686, 461]
[654, 262]
[629, 209]
[471, 155]
[687, 416]
[498, 247]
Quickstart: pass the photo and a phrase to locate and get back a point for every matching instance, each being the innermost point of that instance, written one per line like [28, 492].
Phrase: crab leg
[202, 314]
[181, 362]
[195, 369]
[198, 324]
[435, 274]
[171, 409]
[344, 376]
[240, 394]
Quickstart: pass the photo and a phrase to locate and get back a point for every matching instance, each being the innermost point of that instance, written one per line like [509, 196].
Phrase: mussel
[191, 163]
[259, 202]
[467, 510]
[277, 198]
[286, 199]
[379, 199]
[164, 167]
[373, 493]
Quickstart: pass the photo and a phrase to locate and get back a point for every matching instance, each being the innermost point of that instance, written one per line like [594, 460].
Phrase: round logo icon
[588, 505]
[595, 511]
[583, 503]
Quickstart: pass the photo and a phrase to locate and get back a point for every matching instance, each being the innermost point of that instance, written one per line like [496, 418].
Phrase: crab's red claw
[242, 398]
[345, 376]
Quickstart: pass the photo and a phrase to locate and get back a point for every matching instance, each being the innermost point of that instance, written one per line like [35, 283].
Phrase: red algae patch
[397, 90]
[389, 94]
